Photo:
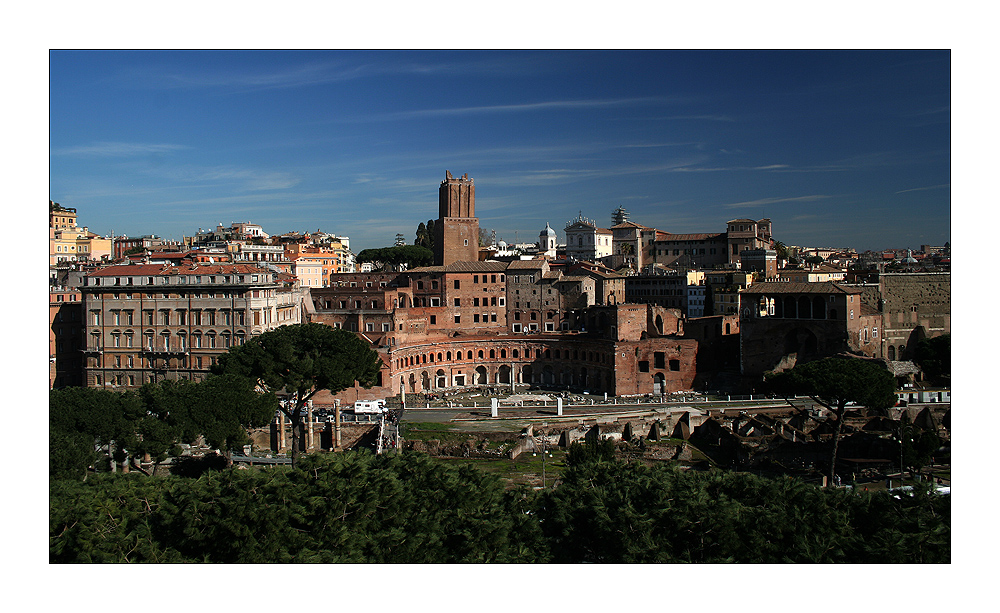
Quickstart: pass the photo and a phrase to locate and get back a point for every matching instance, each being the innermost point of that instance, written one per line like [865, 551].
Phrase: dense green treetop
[409, 508]
[393, 258]
[836, 381]
[933, 355]
[302, 359]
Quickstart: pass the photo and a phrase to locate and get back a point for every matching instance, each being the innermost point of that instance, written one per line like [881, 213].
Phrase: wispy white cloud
[766, 201]
[245, 179]
[526, 107]
[314, 73]
[728, 168]
[253, 180]
[704, 117]
[923, 189]
[116, 149]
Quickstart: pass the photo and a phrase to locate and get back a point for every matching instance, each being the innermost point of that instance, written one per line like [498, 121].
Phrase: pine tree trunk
[836, 442]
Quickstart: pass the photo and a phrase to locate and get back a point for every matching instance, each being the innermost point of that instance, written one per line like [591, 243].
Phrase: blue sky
[838, 148]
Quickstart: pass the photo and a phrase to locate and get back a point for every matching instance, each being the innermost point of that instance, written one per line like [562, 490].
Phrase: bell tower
[457, 227]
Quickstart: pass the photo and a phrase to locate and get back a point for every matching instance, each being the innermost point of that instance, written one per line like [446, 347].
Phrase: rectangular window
[475, 302]
[458, 302]
[644, 366]
[475, 278]
[434, 319]
[475, 318]
[517, 327]
[458, 319]
[675, 365]
[659, 359]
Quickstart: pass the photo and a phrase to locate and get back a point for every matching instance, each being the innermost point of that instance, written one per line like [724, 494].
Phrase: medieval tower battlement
[457, 228]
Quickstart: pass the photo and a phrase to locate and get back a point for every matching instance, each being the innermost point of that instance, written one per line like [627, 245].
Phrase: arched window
[480, 354]
[819, 308]
[449, 356]
[514, 353]
[503, 354]
[805, 312]
[470, 354]
[891, 353]
[790, 311]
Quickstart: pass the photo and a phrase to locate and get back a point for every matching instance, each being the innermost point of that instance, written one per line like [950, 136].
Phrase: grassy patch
[526, 469]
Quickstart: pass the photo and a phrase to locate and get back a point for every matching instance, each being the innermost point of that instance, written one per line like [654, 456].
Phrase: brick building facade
[457, 228]
[783, 323]
[914, 306]
[65, 337]
[148, 322]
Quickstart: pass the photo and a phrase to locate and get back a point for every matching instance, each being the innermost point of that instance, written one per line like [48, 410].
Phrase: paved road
[476, 417]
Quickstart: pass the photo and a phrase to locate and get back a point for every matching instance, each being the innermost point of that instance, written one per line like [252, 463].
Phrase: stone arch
[805, 308]
[659, 384]
[801, 342]
[425, 381]
[413, 383]
[503, 374]
[526, 374]
[658, 322]
[819, 308]
[548, 377]
[583, 376]
[790, 311]
[481, 377]
[891, 353]
[440, 378]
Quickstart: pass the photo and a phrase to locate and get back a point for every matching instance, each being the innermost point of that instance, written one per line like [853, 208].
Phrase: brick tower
[457, 228]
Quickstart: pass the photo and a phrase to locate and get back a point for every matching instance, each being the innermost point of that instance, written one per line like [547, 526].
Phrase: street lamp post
[545, 452]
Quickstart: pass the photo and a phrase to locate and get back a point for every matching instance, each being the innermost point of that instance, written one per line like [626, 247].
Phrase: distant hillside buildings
[627, 310]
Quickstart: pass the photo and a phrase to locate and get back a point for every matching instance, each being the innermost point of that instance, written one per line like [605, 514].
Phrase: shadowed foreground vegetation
[357, 507]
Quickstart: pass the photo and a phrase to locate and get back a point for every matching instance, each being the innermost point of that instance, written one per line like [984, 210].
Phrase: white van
[367, 407]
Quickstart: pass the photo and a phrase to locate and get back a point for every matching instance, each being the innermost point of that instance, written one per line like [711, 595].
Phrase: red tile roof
[125, 270]
[792, 287]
